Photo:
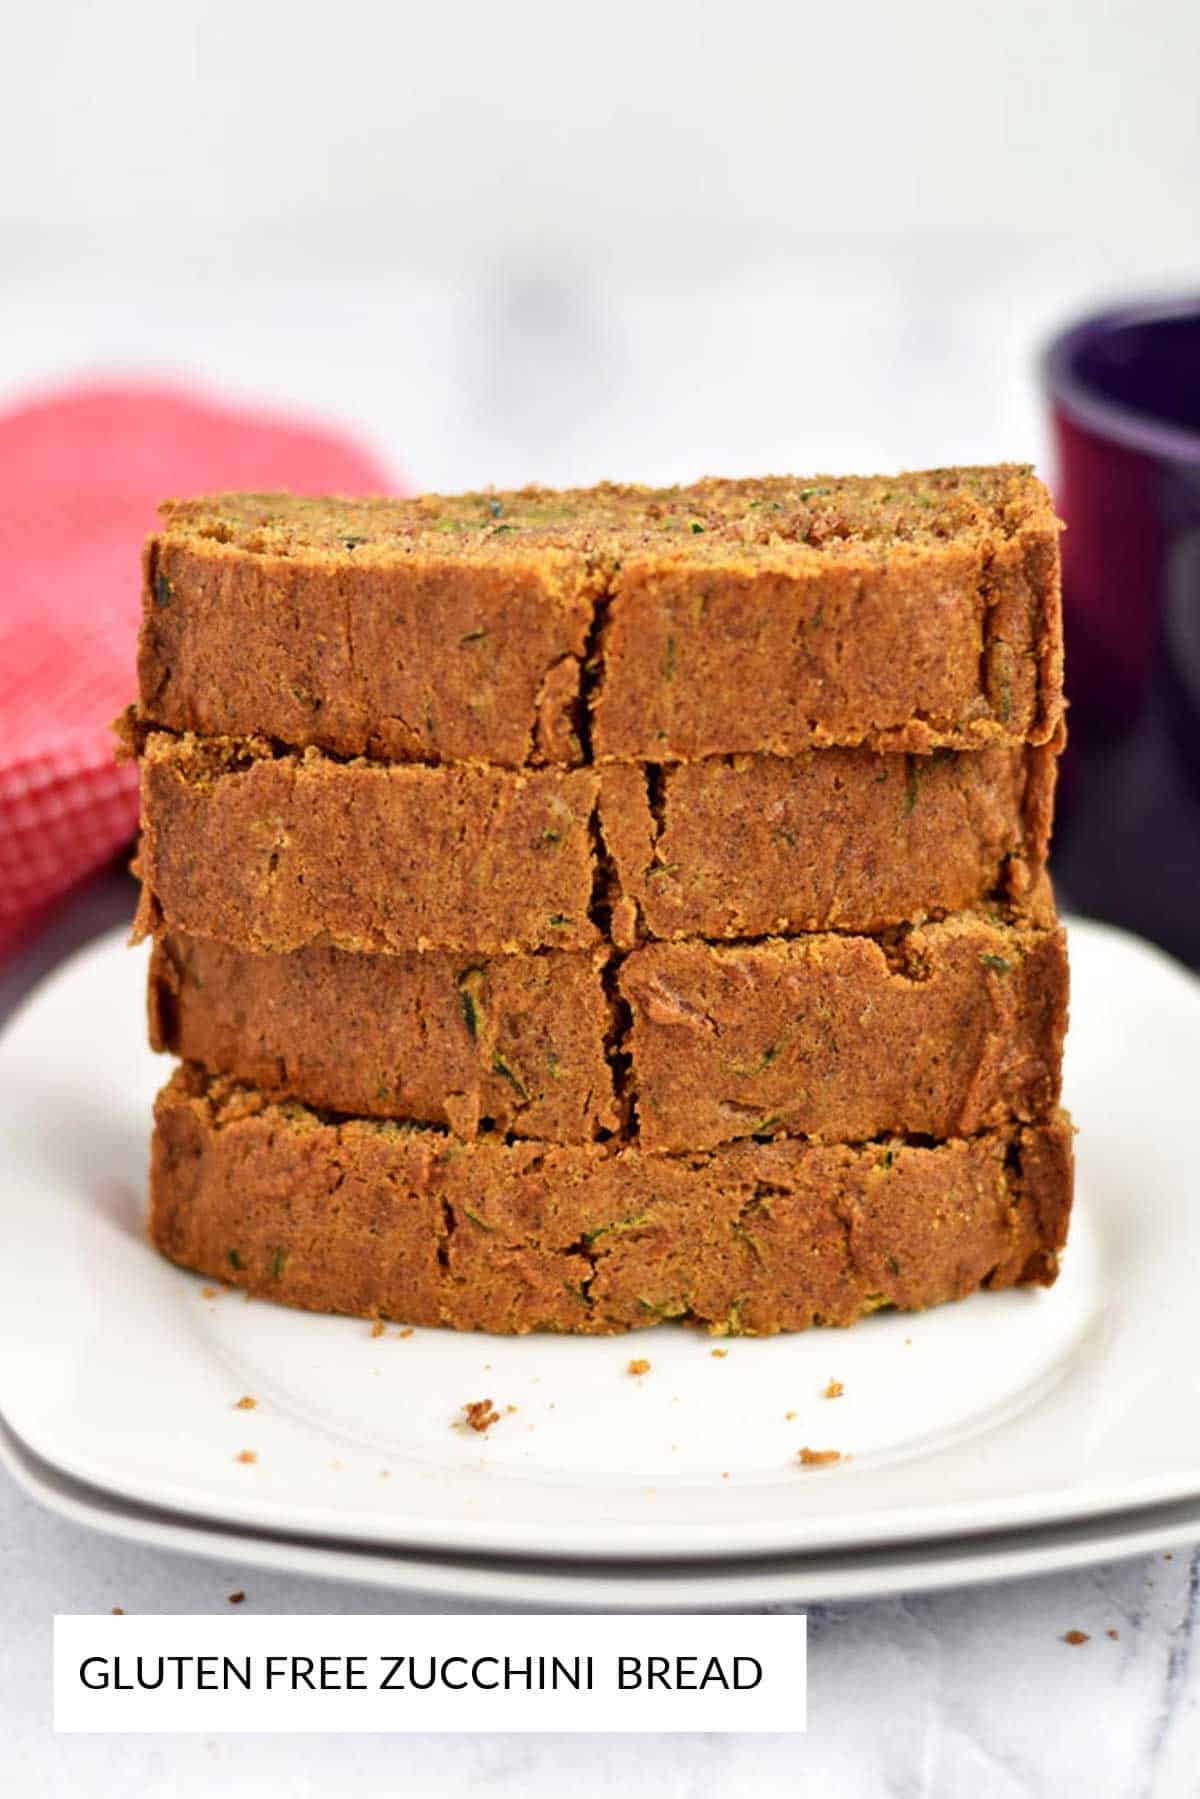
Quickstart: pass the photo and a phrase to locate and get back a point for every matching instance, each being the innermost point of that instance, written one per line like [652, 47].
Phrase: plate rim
[836, 1576]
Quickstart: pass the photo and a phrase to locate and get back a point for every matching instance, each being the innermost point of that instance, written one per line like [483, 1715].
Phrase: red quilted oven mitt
[81, 473]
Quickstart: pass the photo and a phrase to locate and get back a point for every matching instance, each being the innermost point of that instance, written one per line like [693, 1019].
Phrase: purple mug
[1123, 387]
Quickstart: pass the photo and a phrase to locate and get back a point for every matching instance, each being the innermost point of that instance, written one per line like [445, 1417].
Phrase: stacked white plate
[1009, 1434]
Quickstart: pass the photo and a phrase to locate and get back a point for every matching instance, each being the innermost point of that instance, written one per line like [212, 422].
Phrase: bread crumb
[788, 1416]
[1076, 1636]
[236, 1598]
[406, 1332]
[209, 1292]
[718, 1354]
[639, 1365]
[378, 1328]
[246, 1403]
[1114, 1634]
[834, 1390]
[478, 1414]
[509, 1409]
[819, 1458]
[118, 1611]
[246, 1455]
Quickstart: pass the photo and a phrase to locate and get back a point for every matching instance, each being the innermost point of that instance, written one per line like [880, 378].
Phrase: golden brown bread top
[781, 521]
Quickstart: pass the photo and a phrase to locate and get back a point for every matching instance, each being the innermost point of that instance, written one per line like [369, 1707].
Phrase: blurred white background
[548, 241]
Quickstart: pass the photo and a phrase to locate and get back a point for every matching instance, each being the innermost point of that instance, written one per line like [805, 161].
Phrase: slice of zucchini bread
[941, 1031]
[382, 1220]
[659, 624]
[273, 850]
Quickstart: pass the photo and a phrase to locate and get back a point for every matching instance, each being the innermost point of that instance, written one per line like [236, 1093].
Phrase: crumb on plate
[818, 1458]
[478, 1414]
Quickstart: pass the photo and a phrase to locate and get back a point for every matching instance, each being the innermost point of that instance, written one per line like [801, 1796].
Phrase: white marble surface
[972, 1693]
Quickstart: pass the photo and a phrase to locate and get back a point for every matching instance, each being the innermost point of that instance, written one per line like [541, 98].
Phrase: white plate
[630, 1586]
[1005, 1410]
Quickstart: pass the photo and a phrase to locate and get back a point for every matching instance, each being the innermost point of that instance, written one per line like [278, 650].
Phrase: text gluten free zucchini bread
[381, 1220]
[659, 625]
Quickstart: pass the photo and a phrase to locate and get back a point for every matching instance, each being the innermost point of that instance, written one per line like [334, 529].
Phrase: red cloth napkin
[81, 472]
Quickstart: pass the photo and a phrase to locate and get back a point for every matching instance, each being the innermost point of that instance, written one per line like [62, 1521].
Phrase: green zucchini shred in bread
[905, 613]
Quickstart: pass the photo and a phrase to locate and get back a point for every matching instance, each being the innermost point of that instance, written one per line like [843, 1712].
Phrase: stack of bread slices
[575, 910]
